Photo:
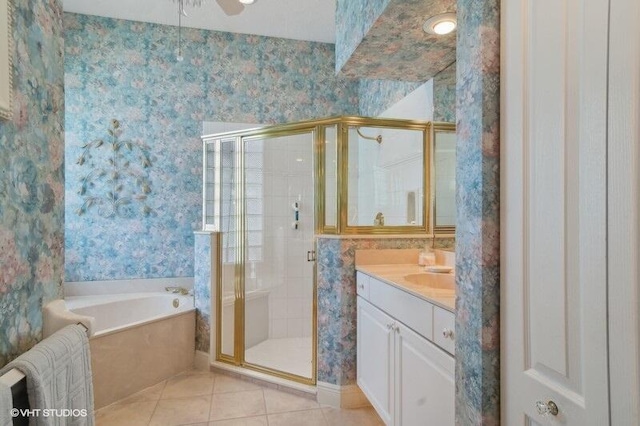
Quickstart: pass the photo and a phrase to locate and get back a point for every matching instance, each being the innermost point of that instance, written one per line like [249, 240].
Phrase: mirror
[444, 162]
[385, 177]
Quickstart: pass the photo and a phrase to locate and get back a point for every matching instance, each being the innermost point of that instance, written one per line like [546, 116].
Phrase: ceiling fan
[233, 7]
[229, 7]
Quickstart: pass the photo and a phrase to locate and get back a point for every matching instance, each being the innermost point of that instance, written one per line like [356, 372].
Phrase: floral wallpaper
[202, 288]
[376, 96]
[31, 188]
[337, 313]
[394, 47]
[478, 214]
[354, 19]
[127, 71]
[444, 95]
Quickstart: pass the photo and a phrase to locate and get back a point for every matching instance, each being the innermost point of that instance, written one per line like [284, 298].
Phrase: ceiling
[312, 20]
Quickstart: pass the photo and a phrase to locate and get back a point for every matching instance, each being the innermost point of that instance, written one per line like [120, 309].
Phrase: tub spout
[178, 290]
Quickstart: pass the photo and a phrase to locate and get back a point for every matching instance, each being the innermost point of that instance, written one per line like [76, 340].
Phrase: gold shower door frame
[238, 357]
[317, 129]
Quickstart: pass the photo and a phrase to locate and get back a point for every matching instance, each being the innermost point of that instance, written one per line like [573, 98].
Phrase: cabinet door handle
[447, 333]
[361, 286]
[390, 326]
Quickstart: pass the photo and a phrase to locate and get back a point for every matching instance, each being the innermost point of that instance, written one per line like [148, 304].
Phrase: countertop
[393, 274]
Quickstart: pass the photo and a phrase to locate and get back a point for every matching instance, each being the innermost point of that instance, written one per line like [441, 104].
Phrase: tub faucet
[379, 220]
[181, 290]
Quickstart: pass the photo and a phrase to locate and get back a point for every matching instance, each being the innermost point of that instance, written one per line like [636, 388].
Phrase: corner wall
[32, 187]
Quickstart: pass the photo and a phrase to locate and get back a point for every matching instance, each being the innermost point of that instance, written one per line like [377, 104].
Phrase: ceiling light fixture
[441, 24]
[181, 13]
[247, 1]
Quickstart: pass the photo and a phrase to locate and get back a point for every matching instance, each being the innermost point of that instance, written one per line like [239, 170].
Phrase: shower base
[291, 355]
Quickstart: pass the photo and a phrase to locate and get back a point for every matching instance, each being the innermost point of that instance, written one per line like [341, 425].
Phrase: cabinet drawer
[444, 325]
[362, 285]
[414, 312]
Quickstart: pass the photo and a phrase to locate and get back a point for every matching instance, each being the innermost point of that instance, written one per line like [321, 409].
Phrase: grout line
[213, 386]
[153, 412]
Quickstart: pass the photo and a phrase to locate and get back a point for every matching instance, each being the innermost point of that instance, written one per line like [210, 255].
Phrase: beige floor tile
[231, 384]
[231, 405]
[353, 417]
[187, 385]
[298, 418]
[182, 411]
[279, 402]
[134, 414]
[151, 393]
[246, 421]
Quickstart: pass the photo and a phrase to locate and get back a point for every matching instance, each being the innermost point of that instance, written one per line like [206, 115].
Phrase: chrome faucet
[379, 220]
[178, 290]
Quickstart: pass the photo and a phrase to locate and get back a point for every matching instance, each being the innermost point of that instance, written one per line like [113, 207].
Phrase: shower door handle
[311, 256]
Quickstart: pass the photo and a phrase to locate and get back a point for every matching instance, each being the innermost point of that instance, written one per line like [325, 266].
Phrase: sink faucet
[379, 220]
[181, 290]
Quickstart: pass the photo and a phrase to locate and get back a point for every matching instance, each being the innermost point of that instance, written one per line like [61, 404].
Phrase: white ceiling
[312, 20]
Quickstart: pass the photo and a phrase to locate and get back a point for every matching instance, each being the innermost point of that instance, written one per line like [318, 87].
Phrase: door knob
[447, 333]
[546, 408]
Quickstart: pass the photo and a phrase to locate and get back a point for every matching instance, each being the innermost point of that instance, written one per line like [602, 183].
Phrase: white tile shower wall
[288, 178]
[385, 174]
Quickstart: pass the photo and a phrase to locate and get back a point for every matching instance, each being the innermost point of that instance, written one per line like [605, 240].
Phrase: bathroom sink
[432, 280]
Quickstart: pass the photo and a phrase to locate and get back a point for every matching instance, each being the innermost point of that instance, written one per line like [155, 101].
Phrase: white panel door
[553, 212]
[425, 387]
[375, 362]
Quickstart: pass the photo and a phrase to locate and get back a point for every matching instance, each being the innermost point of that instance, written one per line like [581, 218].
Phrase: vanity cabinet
[406, 377]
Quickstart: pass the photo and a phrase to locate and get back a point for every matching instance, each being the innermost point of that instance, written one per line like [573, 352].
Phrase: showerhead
[371, 138]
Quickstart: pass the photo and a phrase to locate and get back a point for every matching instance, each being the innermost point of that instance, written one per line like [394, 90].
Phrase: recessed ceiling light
[247, 1]
[442, 24]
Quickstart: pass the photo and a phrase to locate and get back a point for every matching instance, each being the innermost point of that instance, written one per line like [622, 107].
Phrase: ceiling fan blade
[231, 7]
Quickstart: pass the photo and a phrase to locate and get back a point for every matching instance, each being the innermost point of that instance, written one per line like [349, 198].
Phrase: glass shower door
[230, 261]
[279, 286]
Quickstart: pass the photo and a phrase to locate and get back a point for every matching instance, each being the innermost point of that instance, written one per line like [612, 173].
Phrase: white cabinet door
[425, 387]
[375, 358]
[553, 212]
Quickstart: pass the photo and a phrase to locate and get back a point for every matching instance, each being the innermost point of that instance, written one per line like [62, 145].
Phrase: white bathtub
[136, 339]
[115, 312]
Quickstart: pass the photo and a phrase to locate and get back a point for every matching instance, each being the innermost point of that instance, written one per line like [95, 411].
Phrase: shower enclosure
[268, 192]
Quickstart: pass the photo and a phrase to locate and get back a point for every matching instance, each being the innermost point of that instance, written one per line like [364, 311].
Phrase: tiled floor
[269, 353]
[203, 398]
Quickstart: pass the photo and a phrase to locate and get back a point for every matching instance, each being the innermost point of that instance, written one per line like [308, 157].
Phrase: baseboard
[349, 396]
[201, 361]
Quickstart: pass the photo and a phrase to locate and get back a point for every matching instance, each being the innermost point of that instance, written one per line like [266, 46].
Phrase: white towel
[6, 404]
[58, 371]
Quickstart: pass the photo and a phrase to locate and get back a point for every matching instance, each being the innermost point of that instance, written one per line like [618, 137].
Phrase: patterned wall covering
[444, 95]
[395, 47]
[478, 218]
[337, 311]
[127, 70]
[377, 96]
[354, 19]
[202, 288]
[31, 188]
